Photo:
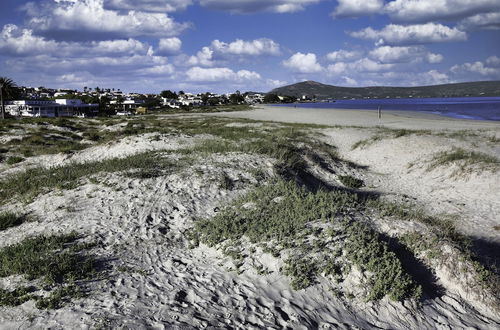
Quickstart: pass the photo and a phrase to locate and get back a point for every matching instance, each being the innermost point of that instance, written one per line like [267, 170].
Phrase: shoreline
[401, 119]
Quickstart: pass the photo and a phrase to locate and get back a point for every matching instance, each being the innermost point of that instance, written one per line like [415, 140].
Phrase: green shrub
[9, 219]
[14, 160]
[350, 181]
[367, 251]
[59, 261]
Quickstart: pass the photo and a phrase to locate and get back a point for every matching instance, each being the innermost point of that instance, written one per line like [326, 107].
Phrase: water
[477, 108]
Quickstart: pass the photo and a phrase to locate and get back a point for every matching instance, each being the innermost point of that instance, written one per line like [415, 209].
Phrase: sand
[364, 118]
[154, 281]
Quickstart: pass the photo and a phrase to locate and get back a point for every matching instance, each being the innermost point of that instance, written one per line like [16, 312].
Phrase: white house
[58, 108]
[172, 103]
[129, 104]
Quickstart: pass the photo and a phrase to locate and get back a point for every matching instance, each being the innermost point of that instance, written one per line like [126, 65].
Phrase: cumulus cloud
[432, 10]
[343, 56]
[303, 63]
[394, 34]
[489, 21]
[157, 70]
[220, 51]
[402, 54]
[478, 68]
[253, 6]
[161, 6]
[169, 46]
[22, 42]
[351, 8]
[255, 47]
[274, 83]
[493, 61]
[204, 58]
[89, 19]
[198, 74]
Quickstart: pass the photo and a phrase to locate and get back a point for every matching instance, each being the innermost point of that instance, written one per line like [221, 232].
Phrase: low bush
[9, 219]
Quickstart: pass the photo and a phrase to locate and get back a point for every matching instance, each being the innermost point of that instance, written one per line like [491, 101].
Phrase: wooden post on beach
[379, 115]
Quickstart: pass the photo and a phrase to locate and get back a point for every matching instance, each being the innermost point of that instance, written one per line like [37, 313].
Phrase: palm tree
[8, 88]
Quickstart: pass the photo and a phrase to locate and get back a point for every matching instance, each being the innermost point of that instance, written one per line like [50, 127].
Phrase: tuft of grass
[14, 160]
[58, 261]
[388, 133]
[350, 181]
[465, 159]
[55, 259]
[34, 181]
[9, 219]
[16, 297]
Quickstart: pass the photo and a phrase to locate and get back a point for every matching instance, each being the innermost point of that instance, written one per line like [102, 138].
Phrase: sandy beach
[239, 220]
[364, 118]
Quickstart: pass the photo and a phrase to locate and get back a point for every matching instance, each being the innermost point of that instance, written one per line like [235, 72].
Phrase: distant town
[90, 102]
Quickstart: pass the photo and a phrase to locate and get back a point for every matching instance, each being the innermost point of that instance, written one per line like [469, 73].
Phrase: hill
[322, 91]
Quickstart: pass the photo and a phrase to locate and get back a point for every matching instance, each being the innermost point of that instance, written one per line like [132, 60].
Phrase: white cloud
[343, 56]
[303, 63]
[88, 18]
[367, 65]
[168, 46]
[434, 58]
[360, 66]
[351, 8]
[493, 61]
[477, 67]
[432, 10]
[349, 81]
[220, 51]
[275, 83]
[204, 58]
[252, 6]
[199, 74]
[337, 68]
[16, 41]
[164, 69]
[255, 47]
[489, 21]
[161, 6]
[394, 34]
[22, 42]
[403, 54]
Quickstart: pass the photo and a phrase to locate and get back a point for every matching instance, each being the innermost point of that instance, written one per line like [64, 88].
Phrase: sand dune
[152, 279]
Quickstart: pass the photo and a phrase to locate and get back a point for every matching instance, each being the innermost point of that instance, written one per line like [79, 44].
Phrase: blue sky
[228, 45]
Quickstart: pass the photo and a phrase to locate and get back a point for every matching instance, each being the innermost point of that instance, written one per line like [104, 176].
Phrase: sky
[147, 46]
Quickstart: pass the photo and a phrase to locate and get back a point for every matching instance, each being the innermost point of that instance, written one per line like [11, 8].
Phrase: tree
[205, 97]
[8, 89]
[213, 101]
[169, 95]
[271, 98]
[236, 98]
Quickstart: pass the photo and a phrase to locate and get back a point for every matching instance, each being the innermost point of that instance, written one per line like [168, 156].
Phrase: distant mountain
[322, 91]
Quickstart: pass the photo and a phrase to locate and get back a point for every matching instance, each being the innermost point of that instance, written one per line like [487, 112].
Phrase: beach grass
[32, 182]
[350, 181]
[465, 159]
[10, 219]
[59, 262]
